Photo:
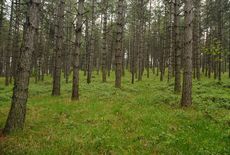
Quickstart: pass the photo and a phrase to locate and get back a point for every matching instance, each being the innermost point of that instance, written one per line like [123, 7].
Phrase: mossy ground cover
[141, 118]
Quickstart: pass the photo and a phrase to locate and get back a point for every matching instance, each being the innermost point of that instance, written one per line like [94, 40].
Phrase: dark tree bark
[76, 53]
[119, 37]
[196, 38]
[140, 22]
[58, 49]
[16, 117]
[36, 55]
[220, 29]
[87, 52]
[170, 66]
[104, 45]
[16, 50]
[9, 47]
[68, 53]
[177, 86]
[133, 51]
[229, 49]
[92, 45]
[187, 75]
[2, 3]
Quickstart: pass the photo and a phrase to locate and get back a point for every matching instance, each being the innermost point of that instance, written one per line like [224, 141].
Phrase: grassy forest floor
[144, 118]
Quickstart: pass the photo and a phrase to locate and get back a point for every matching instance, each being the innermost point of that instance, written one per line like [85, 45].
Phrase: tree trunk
[187, 74]
[16, 117]
[2, 3]
[196, 38]
[92, 45]
[9, 47]
[229, 65]
[220, 25]
[104, 44]
[76, 53]
[177, 86]
[141, 43]
[58, 49]
[119, 37]
[87, 52]
[15, 54]
[133, 52]
[170, 66]
[229, 49]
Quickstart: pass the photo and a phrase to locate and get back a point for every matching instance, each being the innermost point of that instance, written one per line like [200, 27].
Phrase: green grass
[144, 118]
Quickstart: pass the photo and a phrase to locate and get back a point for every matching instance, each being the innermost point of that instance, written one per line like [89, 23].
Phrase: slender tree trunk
[127, 62]
[162, 59]
[177, 86]
[36, 55]
[187, 75]
[76, 53]
[133, 58]
[153, 65]
[110, 57]
[119, 36]
[220, 25]
[229, 49]
[133, 52]
[92, 45]
[58, 49]
[16, 117]
[229, 65]
[15, 54]
[9, 47]
[158, 66]
[141, 35]
[196, 38]
[104, 45]
[2, 3]
[87, 52]
[68, 54]
[170, 68]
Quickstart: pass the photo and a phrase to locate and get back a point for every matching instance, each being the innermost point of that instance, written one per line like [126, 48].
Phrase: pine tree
[187, 75]
[76, 53]
[17, 114]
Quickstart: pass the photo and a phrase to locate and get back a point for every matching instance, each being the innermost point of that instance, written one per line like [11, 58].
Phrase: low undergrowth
[143, 118]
